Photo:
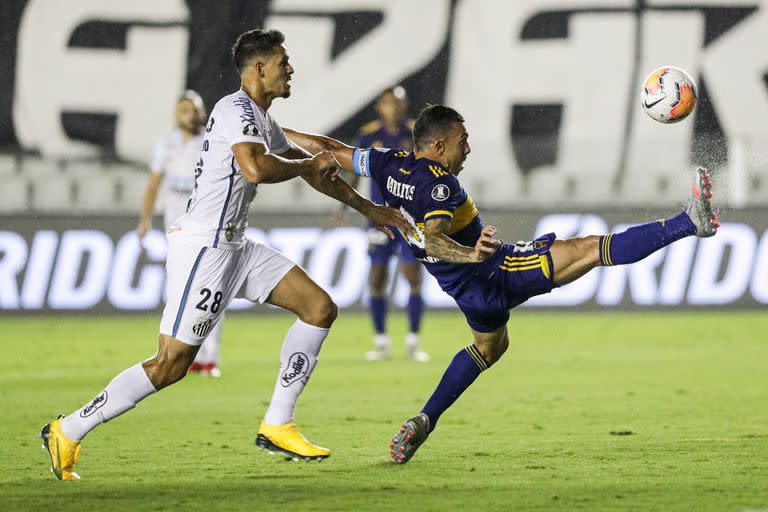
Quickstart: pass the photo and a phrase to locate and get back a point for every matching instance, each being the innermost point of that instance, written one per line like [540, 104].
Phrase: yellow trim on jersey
[518, 268]
[545, 267]
[438, 212]
[521, 258]
[437, 171]
[463, 215]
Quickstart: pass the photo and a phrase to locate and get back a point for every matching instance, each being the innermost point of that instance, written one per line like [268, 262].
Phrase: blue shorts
[513, 275]
[381, 248]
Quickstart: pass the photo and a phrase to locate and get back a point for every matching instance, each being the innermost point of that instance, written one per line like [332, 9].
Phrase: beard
[193, 127]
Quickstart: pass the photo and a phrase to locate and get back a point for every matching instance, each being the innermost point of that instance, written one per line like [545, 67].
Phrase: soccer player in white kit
[173, 165]
[210, 260]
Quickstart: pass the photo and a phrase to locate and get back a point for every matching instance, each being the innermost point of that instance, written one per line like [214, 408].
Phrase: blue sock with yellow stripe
[466, 365]
[637, 242]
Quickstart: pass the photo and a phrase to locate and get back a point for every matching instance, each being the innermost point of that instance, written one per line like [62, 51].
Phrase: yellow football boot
[288, 440]
[63, 452]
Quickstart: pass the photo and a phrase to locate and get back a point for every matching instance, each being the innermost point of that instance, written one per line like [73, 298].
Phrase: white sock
[120, 395]
[209, 350]
[298, 359]
[381, 342]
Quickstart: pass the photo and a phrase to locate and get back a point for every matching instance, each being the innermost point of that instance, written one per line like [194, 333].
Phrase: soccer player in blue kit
[391, 130]
[485, 276]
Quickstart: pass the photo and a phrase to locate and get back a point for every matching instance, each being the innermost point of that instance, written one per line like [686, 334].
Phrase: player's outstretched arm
[316, 143]
[148, 207]
[440, 245]
[260, 167]
[380, 216]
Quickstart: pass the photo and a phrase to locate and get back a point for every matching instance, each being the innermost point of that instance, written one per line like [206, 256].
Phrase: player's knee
[376, 290]
[414, 280]
[164, 370]
[322, 313]
[590, 247]
[492, 350]
[377, 280]
[589, 251]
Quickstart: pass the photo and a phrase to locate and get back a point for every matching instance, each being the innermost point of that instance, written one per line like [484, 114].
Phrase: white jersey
[217, 215]
[175, 159]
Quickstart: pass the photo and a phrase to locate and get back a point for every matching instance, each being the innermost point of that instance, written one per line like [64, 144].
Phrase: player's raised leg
[575, 257]
[466, 366]
[410, 268]
[316, 312]
[61, 437]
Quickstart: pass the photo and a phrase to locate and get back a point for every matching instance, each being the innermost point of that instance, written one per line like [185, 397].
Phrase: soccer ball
[669, 95]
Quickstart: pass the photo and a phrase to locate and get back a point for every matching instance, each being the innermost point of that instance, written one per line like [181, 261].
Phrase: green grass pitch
[689, 391]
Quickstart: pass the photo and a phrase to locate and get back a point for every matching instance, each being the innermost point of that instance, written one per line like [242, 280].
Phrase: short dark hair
[255, 43]
[432, 123]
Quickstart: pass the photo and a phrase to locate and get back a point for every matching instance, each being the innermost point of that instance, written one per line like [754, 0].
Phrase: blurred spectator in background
[174, 164]
[391, 130]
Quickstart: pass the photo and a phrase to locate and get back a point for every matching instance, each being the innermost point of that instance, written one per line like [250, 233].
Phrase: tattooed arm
[440, 245]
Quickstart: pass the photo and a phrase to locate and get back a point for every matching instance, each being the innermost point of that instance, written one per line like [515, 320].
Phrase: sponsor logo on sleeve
[250, 129]
[441, 192]
[295, 369]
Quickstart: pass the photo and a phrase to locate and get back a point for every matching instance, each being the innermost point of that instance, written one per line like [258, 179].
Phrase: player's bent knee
[322, 313]
[171, 362]
[163, 372]
[377, 279]
[492, 346]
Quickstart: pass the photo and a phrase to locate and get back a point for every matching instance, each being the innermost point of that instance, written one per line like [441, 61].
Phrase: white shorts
[202, 281]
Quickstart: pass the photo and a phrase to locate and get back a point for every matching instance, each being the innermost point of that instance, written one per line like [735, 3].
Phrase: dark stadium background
[57, 189]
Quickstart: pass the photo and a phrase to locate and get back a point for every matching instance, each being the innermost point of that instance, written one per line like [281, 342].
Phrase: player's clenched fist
[326, 163]
[486, 245]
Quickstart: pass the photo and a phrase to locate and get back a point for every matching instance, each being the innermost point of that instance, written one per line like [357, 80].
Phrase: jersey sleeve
[159, 158]
[368, 162]
[441, 198]
[279, 141]
[238, 123]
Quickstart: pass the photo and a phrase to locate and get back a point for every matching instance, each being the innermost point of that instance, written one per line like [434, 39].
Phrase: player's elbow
[254, 174]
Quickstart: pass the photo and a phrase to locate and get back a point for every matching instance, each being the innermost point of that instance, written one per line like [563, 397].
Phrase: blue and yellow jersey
[423, 190]
[375, 135]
